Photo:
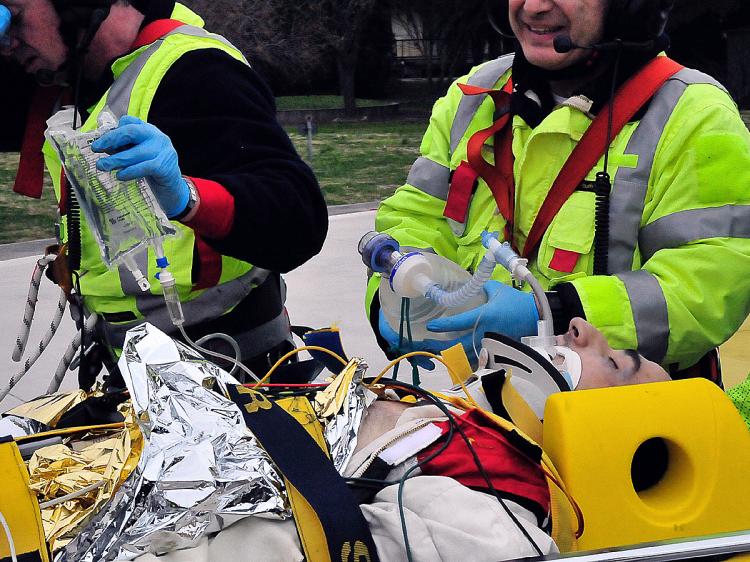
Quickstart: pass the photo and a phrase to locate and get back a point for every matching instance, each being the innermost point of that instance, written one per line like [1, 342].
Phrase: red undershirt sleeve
[215, 214]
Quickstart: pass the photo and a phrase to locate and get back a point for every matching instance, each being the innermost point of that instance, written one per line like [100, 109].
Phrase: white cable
[31, 300]
[11, 544]
[62, 367]
[72, 495]
[232, 360]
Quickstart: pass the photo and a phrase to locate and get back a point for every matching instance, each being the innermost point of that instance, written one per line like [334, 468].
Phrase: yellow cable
[390, 365]
[294, 352]
[69, 431]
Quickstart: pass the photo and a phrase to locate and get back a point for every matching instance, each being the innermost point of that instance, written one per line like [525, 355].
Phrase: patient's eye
[613, 363]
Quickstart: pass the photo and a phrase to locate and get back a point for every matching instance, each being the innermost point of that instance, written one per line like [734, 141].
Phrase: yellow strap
[19, 506]
[309, 528]
[458, 364]
[520, 412]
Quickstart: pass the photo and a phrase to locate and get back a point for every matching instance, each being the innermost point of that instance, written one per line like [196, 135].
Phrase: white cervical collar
[570, 368]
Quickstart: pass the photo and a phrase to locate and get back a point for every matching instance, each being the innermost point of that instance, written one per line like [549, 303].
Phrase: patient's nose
[582, 333]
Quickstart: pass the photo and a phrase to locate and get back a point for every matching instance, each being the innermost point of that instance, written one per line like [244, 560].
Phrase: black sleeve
[221, 118]
[15, 100]
[566, 305]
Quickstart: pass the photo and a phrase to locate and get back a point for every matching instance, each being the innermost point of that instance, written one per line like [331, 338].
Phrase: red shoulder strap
[631, 96]
[155, 31]
[462, 183]
[30, 174]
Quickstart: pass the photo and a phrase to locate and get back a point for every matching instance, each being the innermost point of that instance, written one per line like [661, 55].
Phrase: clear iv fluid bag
[124, 216]
[450, 276]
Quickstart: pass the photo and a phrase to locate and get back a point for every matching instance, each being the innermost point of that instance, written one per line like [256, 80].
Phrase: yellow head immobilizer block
[651, 462]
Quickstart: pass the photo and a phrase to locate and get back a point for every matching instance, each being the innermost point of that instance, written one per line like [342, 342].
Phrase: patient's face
[602, 366]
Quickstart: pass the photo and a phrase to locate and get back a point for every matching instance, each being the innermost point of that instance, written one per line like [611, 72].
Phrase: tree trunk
[347, 66]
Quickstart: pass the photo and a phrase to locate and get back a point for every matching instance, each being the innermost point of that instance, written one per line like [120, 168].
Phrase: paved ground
[327, 290]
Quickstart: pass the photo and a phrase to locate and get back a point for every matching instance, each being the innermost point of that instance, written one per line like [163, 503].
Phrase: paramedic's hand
[391, 336]
[4, 22]
[140, 150]
[507, 311]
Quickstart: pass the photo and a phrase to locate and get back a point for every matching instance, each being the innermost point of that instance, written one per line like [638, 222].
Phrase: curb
[36, 247]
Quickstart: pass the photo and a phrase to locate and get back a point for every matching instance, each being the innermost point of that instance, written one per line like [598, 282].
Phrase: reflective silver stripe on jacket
[631, 184]
[119, 94]
[430, 177]
[627, 203]
[214, 302]
[649, 313]
[486, 77]
[678, 229]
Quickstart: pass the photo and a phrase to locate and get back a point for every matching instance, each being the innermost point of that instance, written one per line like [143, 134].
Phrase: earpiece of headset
[80, 13]
[498, 18]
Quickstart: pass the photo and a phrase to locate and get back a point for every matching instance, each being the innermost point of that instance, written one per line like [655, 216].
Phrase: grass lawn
[359, 162]
[355, 163]
[319, 102]
[22, 218]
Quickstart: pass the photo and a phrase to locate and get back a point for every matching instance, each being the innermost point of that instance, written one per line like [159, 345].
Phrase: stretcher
[658, 471]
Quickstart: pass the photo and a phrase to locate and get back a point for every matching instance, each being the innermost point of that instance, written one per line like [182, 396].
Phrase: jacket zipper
[371, 459]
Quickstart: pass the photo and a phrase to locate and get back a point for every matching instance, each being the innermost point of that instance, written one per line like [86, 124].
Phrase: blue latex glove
[140, 150]
[391, 336]
[507, 311]
[5, 18]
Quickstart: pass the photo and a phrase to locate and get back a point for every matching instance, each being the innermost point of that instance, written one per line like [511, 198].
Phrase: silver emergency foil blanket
[342, 406]
[201, 469]
[17, 426]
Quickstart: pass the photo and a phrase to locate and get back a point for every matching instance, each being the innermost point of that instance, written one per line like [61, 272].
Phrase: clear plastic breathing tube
[452, 299]
[516, 265]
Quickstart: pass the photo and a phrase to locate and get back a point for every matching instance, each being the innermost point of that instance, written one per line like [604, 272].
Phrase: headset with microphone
[631, 25]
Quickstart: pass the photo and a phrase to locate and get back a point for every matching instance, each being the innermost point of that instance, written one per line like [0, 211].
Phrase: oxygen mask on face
[124, 216]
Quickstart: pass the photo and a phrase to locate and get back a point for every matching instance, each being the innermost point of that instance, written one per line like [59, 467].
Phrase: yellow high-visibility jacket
[679, 247]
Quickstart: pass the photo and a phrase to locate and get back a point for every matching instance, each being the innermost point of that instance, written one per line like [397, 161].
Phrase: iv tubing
[230, 340]
[232, 360]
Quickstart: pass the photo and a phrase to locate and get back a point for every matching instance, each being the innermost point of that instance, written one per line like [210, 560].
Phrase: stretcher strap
[310, 472]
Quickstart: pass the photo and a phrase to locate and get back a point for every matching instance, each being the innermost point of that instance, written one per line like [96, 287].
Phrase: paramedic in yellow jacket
[671, 275]
[199, 123]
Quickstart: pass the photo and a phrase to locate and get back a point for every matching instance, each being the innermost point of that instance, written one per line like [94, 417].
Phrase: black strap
[310, 471]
